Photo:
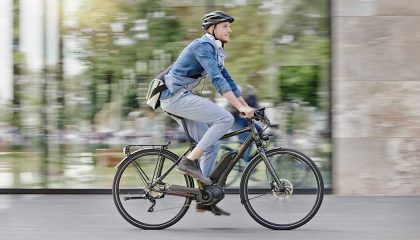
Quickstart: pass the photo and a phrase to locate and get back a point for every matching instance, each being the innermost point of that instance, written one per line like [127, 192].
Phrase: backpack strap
[159, 89]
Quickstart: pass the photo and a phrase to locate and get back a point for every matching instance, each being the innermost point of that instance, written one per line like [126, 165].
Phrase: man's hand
[239, 104]
[247, 111]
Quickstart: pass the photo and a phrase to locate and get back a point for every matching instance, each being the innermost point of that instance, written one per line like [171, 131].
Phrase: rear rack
[126, 149]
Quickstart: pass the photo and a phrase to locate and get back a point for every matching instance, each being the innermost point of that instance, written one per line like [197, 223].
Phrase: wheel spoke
[261, 195]
[141, 173]
[167, 209]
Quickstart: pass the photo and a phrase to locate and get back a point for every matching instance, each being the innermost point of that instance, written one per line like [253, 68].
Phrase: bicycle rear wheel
[144, 206]
[289, 206]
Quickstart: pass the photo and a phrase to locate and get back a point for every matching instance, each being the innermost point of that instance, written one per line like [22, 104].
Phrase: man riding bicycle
[205, 120]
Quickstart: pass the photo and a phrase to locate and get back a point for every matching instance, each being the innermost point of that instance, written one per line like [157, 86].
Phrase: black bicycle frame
[253, 136]
[232, 162]
[192, 144]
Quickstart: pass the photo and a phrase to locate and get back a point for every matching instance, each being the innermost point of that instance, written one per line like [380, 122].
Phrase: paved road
[94, 217]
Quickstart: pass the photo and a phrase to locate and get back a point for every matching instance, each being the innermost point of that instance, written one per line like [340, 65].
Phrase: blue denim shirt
[200, 57]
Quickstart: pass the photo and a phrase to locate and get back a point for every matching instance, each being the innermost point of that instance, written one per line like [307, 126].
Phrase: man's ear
[210, 29]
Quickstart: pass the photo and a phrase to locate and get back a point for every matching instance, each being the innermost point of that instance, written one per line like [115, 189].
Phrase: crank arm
[176, 190]
[180, 194]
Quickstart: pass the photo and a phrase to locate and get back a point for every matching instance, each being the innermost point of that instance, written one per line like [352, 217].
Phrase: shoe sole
[210, 211]
[216, 214]
[182, 172]
[185, 173]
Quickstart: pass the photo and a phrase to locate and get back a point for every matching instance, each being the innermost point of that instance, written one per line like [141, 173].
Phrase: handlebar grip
[259, 113]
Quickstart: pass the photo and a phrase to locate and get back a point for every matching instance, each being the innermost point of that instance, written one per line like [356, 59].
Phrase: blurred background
[74, 76]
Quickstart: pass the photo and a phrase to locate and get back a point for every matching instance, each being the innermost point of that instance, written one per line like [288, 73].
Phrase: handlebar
[259, 114]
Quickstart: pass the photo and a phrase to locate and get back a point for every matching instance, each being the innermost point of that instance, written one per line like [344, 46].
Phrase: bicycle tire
[287, 203]
[117, 190]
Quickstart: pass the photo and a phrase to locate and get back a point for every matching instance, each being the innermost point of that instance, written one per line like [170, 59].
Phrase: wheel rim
[287, 209]
[128, 188]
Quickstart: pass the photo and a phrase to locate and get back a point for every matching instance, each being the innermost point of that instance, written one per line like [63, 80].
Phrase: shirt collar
[210, 36]
[218, 43]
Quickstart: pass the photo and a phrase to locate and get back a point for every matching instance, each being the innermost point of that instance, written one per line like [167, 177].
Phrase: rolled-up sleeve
[206, 56]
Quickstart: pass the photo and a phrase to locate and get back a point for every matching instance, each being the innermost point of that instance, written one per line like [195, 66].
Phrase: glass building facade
[74, 76]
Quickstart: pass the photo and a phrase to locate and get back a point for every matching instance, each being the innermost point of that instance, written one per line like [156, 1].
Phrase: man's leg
[208, 159]
[199, 114]
[201, 110]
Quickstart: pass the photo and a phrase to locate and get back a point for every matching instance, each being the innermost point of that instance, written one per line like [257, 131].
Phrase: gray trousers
[205, 120]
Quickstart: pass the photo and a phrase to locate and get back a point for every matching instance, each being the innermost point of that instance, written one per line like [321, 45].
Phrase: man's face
[222, 31]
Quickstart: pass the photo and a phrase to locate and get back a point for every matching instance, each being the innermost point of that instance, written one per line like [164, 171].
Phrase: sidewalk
[32, 217]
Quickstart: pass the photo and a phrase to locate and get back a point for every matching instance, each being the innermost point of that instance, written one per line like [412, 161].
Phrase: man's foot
[192, 169]
[213, 208]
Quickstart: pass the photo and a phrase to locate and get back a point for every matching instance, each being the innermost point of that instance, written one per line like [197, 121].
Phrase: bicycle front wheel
[141, 204]
[290, 205]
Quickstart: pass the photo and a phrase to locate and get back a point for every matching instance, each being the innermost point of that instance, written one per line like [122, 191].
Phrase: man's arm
[239, 103]
[242, 100]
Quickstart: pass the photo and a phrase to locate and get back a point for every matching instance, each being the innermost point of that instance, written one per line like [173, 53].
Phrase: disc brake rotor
[286, 193]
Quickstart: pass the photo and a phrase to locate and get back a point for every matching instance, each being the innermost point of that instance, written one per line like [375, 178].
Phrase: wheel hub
[155, 191]
[286, 192]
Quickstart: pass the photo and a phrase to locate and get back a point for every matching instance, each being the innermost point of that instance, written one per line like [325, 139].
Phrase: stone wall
[376, 96]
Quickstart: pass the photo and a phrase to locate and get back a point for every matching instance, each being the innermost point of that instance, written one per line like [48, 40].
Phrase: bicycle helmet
[215, 17]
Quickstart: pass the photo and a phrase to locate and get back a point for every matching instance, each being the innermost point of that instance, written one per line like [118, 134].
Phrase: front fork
[261, 151]
[259, 138]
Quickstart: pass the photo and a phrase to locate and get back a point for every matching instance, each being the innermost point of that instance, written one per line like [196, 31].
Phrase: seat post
[190, 141]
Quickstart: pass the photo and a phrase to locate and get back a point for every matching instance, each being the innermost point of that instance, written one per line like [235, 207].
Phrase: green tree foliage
[308, 51]
[130, 102]
[115, 35]
[245, 54]
[299, 83]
